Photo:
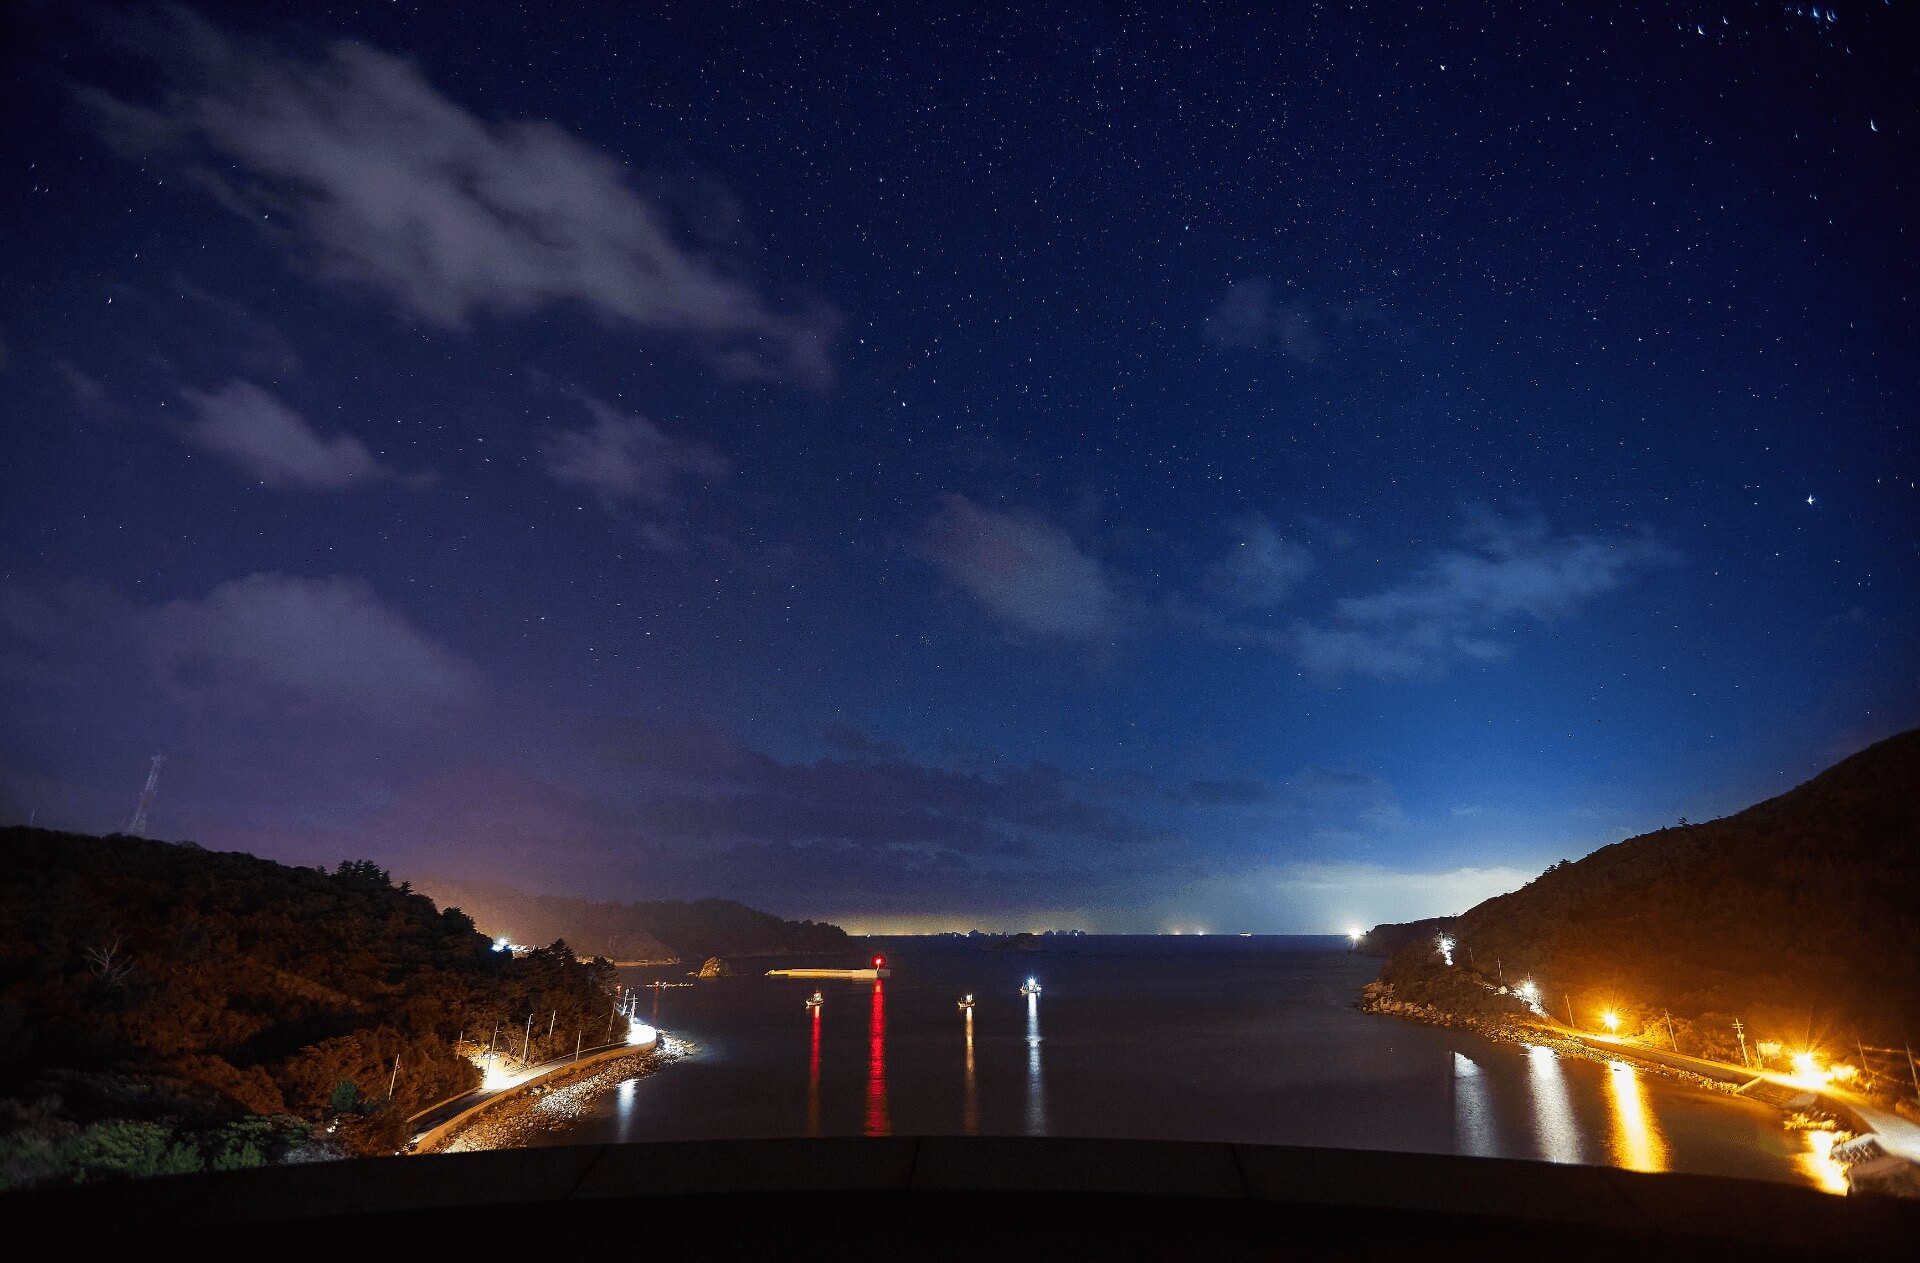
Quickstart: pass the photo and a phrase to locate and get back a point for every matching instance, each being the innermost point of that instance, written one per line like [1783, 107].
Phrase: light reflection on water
[1036, 1096]
[1472, 1112]
[1554, 1127]
[1226, 1053]
[813, 1077]
[1637, 1142]
[878, 1121]
[970, 1118]
[1816, 1161]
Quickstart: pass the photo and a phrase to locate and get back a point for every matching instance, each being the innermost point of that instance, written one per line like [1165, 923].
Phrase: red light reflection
[813, 1079]
[878, 1124]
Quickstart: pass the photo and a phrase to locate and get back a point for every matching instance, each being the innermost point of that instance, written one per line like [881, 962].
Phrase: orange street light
[1610, 1020]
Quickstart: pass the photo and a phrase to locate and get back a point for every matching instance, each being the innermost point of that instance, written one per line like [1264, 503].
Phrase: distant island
[1798, 919]
[652, 933]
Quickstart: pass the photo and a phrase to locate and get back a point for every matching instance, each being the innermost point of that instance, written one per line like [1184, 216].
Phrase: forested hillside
[154, 995]
[636, 931]
[1800, 917]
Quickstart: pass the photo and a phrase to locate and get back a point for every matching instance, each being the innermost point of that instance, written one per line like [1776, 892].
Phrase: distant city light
[501, 945]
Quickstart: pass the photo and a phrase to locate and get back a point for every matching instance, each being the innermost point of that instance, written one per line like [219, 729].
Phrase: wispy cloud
[1025, 571]
[1261, 568]
[622, 456]
[253, 429]
[279, 644]
[1256, 314]
[1461, 601]
[390, 184]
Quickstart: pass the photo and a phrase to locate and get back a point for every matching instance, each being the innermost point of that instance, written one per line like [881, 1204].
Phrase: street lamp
[1610, 1020]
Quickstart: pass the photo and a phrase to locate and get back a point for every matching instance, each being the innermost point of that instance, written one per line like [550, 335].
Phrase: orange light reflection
[1637, 1142]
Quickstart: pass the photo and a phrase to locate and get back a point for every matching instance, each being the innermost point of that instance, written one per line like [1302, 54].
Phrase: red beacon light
[879, 962]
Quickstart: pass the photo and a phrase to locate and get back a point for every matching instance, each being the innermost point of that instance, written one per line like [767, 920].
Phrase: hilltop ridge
[1799, 916]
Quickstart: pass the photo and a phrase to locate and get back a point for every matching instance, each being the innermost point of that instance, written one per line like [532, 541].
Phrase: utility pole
[551, 1018]
[526, 1045]
[490, 1040]
[576, 1045]
[1670, 1036]
[1569, 1000]
[394, 1078]
[1500, 968]
[1912, 1071]
[1740, 1033]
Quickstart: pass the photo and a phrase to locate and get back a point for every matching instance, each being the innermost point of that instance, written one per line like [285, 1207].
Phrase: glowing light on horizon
[1637, 1142]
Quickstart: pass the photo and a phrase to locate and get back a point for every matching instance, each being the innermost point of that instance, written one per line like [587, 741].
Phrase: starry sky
[1092, 467]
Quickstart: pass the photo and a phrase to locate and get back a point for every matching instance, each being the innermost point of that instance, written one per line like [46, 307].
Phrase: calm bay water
[1188, 1039]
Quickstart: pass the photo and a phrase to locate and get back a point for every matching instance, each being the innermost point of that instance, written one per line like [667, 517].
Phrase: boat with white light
[966, 1001]
[1030, 987]
[815, 1000]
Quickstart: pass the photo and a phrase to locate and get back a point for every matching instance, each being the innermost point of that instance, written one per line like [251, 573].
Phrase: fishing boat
[1030, 987]
[966, 1001]
[815, 1000]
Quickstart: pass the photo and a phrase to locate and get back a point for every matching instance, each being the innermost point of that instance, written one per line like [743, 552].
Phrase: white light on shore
[641, 1033]
[1445, 945]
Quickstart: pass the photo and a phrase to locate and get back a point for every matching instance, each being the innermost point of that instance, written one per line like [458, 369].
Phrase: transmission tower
[138, 825]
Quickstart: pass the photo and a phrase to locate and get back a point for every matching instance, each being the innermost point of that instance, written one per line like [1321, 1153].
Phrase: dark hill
[154, 997]
[637, 931]
[1799, 916]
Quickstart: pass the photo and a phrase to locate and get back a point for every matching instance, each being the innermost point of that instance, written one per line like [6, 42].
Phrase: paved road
[434, 1115]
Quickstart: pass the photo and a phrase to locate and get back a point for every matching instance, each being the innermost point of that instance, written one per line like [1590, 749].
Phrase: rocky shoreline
[542, 1108]
[1377, 997]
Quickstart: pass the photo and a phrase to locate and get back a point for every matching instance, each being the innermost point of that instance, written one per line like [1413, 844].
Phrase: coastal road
[1891, 1132]
[434, 1115]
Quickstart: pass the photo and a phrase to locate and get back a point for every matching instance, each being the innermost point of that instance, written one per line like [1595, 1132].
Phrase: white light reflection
[1554, 1129]
[1036, 1098]
[1472, 1112]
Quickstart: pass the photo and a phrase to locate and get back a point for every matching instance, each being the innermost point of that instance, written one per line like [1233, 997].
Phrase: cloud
[1507, 570]
[277, 645]
[393, 186]
[626, 457]
[715, 791]
[271, 441]
[1025, 571]
[1261, 569]
[1255, 314]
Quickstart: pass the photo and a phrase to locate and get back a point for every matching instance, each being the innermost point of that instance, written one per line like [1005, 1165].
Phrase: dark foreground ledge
[955, 1197]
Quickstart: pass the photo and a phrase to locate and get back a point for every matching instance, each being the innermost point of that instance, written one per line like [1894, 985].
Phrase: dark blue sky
[1091, 468]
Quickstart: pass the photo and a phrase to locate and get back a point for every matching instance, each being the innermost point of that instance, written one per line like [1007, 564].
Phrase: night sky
[1096, 468]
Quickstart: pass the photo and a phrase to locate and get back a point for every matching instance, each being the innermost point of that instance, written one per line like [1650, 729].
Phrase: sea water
[1194, 1038]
